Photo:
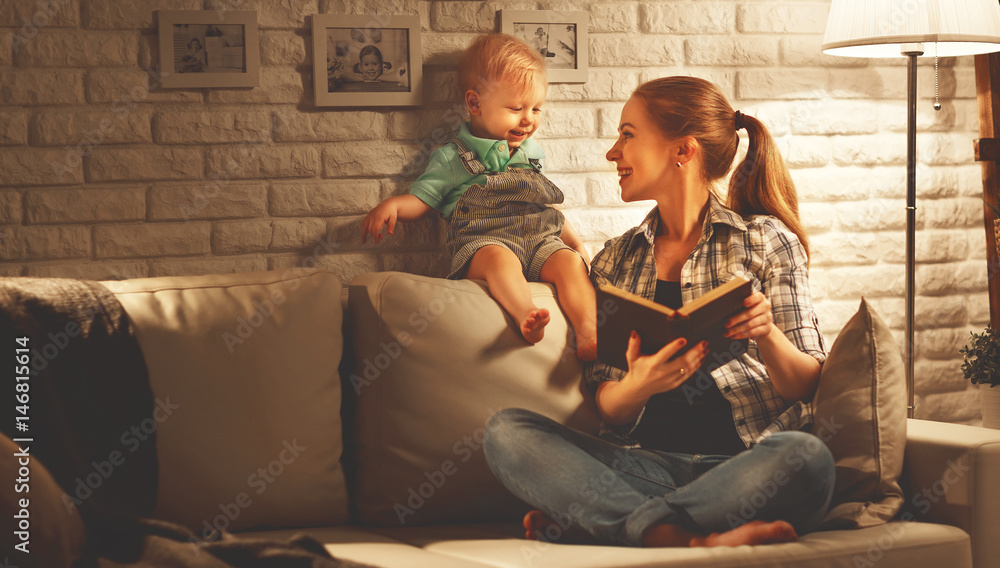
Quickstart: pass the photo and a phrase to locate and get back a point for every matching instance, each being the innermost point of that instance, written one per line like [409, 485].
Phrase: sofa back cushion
[434, 359]
[244, 370]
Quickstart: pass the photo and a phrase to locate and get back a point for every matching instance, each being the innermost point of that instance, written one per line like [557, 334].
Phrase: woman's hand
[754, 322]
[620, 402]
[793, 373]
[657, 373]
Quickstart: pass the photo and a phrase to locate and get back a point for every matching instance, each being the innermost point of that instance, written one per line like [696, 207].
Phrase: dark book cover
[657, 325]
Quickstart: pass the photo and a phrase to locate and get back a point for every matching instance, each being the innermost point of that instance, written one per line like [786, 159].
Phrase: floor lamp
[911, 28]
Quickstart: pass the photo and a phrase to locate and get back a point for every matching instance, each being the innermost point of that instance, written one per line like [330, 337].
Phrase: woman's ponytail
[761, 183]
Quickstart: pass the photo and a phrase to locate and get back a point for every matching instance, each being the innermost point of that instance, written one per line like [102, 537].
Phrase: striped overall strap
[469, 159]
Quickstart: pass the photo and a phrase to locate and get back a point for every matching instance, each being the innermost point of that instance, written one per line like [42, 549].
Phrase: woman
[687, 457]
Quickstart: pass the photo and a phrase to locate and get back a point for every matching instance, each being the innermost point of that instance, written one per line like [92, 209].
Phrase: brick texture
[80, 49]
[152, 239]
[85, 205]
[105, 174]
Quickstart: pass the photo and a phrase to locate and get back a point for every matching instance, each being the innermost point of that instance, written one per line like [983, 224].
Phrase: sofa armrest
[951, 476]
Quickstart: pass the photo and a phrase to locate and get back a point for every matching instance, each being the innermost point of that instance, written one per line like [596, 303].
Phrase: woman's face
[644, 156]
[371, 67]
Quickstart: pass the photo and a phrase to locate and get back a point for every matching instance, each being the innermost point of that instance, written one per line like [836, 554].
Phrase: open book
[657, 325]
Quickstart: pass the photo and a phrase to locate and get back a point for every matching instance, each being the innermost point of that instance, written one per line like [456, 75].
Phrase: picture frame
[367, 60]
[208, 48]
[561, 37]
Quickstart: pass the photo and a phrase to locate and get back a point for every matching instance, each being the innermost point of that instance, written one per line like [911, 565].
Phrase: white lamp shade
[879, 28]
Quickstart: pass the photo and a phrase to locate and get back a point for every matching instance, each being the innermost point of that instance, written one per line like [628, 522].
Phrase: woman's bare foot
[535, 522]
[533, 325]
[541, 527]
[754, 532]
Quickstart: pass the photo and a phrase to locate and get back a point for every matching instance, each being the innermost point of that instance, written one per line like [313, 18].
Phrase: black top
[694, 418]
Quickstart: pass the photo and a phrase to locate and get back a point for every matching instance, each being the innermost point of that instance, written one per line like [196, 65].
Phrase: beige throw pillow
[860, 412]
[244, 371]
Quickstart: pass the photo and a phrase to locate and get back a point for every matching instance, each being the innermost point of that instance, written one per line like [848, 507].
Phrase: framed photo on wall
[560, 36]
[208, 48]
[369, 60]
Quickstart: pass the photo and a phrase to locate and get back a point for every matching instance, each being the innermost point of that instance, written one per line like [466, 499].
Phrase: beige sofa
[356, 414]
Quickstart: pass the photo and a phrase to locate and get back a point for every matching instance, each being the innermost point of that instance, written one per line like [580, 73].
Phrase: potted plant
[982, 367]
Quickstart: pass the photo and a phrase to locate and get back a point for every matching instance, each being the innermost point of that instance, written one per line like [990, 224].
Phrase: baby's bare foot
[533, 326]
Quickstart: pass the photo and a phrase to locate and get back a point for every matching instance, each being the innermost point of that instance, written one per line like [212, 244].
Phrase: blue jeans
[616, 493]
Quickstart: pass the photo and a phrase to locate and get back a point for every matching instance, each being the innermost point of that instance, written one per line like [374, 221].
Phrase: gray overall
[513, 209]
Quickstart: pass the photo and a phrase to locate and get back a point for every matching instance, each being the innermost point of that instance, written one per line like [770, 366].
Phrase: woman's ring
[683, 371]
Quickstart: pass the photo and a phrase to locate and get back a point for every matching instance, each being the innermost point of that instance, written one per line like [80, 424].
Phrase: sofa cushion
[244, 368]
[434, 359]
[860, 412]
[893, 545]
[49, 528]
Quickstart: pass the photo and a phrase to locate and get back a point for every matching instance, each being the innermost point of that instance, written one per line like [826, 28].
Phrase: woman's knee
[804, 457]
[801, 450]
[510, 430]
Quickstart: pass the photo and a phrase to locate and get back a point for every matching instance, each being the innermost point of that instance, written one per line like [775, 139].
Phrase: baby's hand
[373, 222]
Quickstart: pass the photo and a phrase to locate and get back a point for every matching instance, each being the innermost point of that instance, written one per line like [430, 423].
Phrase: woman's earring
[678, 164]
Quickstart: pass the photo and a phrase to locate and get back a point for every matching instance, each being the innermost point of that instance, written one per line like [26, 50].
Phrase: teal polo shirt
[446, 179]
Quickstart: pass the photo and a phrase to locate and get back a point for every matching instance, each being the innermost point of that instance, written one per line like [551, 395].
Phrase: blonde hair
[494, 58]
[761, 183]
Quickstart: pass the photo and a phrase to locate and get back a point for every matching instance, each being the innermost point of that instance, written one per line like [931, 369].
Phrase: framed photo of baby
[367, 60]
[559, 36]
[208, 48]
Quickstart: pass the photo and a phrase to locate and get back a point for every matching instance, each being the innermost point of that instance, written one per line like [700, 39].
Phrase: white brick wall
[103, 177]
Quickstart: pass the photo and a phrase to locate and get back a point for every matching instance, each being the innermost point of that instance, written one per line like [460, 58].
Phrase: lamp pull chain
[937, 98]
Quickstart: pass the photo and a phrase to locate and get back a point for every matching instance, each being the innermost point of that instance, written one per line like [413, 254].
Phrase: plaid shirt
[763, 250]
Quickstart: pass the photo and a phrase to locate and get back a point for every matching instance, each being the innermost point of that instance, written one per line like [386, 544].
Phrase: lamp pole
[911, 51]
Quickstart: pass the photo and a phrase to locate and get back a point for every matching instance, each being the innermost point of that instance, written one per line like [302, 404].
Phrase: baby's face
[508, 113]
[371, 67]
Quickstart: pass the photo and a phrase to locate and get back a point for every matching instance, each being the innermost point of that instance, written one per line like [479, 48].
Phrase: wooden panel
[987, 149]
[987, 77]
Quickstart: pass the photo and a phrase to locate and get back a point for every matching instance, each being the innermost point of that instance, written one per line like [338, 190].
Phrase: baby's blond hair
[499, 57]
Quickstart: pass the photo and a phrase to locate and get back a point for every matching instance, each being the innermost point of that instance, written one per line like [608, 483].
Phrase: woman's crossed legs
[780, 487]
